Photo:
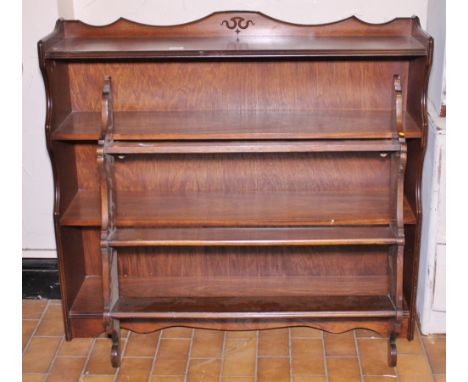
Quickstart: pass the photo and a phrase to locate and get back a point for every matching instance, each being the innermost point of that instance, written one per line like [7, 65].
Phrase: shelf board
[255, 209]
[142, 237]
[220, 147]
[236, 125]
[253, 307]
[246, 46]
[88, 302]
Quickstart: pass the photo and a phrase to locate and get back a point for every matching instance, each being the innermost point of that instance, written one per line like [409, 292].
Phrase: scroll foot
[392, 350]
[115, 351]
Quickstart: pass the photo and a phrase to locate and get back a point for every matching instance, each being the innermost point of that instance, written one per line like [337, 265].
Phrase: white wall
[301, 11]
[39, 18]
[436, 28]
[431, 282]
[38, 232]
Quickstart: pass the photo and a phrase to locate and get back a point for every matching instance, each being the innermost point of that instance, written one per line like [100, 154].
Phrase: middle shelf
[255, 209]
[238, 125]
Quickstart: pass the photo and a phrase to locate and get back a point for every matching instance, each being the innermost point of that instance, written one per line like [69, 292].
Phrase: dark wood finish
[150, 237]
[247, 125]
[86, 318]
[250, 173]
[250, 147]
[254, 307]
[84, 208]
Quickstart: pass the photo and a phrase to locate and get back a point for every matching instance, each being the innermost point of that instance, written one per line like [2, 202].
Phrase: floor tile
[52, 322]
[135, 369]
[240, 357]
[168, 366]
[169, 378]
[273, 343]
[307, 356]
[273, 370]
[204, 370]
[66, 369]
[97, 378]
[99, 360]
[306, 332]
[172, 357]
[32, 309]
[373, 354]
[177, 333]
[409, 347]
[414, 367]
[241, 334]
[39, 354]
[141, 345]
[339, 344]
[173, 348]
[435, 349]
[343, 370]
[28, 327]
[207, 344]
[78, 347]
[308, 378]
[28, 377]
[417, 361]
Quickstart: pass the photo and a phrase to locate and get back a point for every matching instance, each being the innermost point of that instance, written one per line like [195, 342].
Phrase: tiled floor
[179, 354]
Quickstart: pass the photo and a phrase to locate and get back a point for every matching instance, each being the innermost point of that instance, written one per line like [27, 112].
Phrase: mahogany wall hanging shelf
[237, 172]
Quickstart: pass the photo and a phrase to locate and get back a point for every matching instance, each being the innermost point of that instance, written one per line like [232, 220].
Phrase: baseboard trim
[40, 278]
[40, 253]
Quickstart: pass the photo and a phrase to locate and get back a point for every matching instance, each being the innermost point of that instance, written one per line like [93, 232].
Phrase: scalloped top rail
[235, 34]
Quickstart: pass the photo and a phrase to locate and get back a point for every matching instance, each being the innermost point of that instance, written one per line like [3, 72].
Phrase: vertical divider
[397, 176]
[110, 279]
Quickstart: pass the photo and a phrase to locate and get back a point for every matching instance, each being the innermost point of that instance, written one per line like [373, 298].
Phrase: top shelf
[213, 47]
[235, 35]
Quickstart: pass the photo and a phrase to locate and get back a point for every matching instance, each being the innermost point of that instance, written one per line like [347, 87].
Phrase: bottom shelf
[88, 303]
[254, 307]
[85, 315]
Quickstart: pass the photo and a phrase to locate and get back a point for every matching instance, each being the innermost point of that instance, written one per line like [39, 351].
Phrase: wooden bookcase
[237, 172]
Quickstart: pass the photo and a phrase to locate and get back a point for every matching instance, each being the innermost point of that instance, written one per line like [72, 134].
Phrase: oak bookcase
[237, 172]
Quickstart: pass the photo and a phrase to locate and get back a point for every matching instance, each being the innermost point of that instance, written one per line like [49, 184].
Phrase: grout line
[88, 357]
[52, 363]
[324, 355]
[189, 354]
[291, 371]
[423, 346]
[395, 368]
[223, 347]
[156, 351]
[358, 354]
[341, 356]
[123, 350]
[49, 336]
[33, 334]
